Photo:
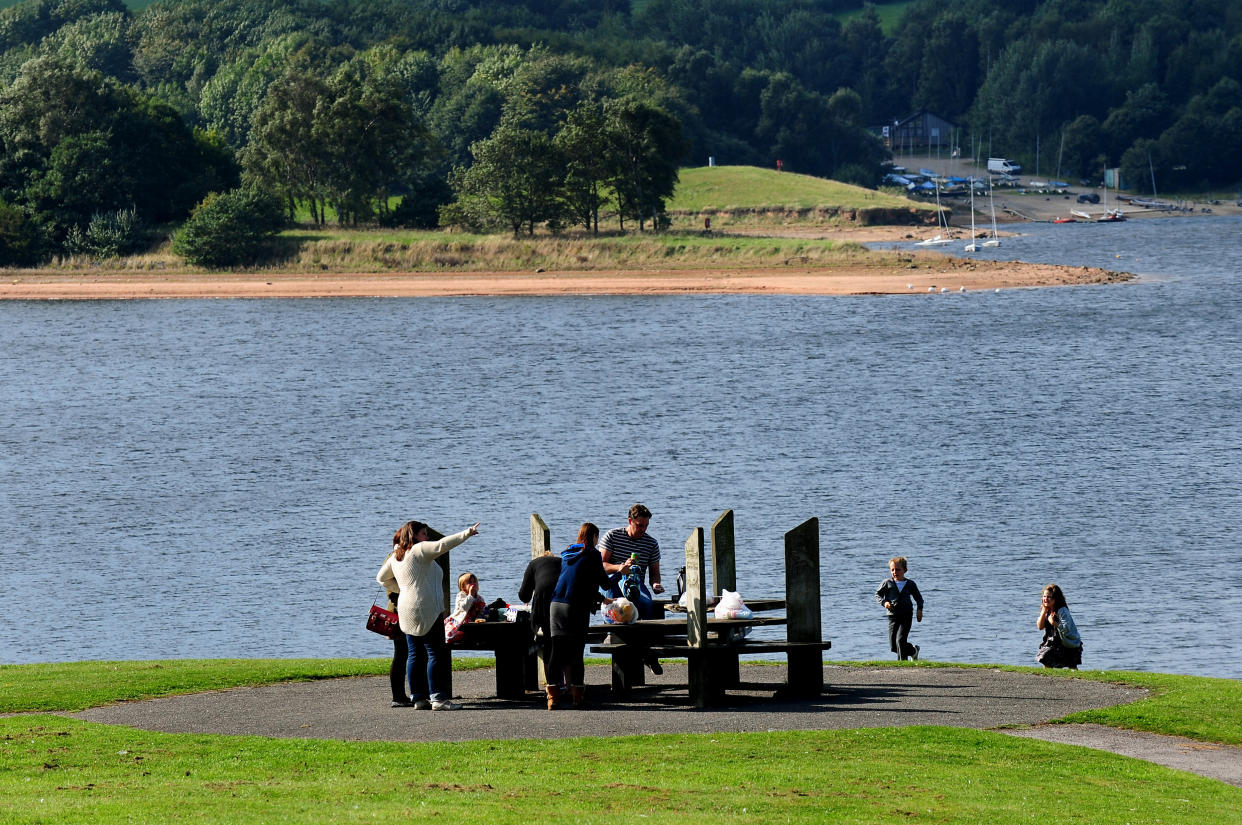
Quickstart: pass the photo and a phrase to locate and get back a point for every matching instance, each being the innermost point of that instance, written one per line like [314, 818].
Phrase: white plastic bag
[731, 606]
[620, 611]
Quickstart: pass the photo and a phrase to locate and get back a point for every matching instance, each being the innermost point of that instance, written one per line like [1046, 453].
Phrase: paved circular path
[855, 697]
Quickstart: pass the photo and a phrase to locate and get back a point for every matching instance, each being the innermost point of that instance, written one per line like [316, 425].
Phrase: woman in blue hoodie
[575, 598]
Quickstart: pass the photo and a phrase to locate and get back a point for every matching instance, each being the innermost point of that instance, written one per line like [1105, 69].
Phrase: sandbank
[912, 274]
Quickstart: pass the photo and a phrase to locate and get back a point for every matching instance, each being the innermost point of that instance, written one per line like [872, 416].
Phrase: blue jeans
[645, 604]
[429, 656]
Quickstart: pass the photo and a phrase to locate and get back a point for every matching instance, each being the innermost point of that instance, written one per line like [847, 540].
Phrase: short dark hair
[639, 511]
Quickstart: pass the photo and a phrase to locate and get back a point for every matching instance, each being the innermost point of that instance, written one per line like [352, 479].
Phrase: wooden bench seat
[719, 662]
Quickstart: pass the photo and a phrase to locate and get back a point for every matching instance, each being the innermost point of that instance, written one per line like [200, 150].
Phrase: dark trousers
[396, 673]
[898, 632]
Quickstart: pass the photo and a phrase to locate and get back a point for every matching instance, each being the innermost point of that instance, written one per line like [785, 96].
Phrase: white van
[1001, 166]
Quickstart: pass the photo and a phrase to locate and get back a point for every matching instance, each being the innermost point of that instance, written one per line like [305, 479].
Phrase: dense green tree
[583, 143]
[30, 22]
[1144, 113]
[647, 145]
[468, 106]
[949, 75]
[230, 228]
[1200, 146]
[96, 43]
[20, 240]
[1048, 84]
[228, 100]
[285, 155]
[348, 141]
[1081, 155]
[76, 143]
[375, 141]
[515, 179]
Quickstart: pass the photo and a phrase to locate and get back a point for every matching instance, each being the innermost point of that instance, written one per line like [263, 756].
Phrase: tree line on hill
[116, 124]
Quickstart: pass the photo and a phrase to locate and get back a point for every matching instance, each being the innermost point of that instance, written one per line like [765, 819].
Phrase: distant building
[920, 131]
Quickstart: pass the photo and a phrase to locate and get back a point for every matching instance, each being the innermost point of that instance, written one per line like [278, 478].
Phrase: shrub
[19, 237]
[229, 229]
[108, 235]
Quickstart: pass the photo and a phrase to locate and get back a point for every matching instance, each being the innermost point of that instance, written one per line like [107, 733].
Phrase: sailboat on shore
[974, 245]
[944, 236]
[993, 241]
[1110, 215]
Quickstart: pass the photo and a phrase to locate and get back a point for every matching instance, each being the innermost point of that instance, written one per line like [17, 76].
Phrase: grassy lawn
[54, 769]
[749, 187]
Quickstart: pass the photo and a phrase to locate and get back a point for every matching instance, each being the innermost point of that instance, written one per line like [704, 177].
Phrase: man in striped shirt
[619, 544]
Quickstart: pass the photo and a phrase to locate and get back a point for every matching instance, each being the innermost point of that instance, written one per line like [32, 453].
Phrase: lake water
[222, 478]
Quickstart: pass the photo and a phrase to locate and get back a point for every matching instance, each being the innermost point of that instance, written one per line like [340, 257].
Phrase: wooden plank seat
[720, 662]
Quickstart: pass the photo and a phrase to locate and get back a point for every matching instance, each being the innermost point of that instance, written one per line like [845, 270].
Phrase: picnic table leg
[510, 673]
[627, 673]
[727, 669]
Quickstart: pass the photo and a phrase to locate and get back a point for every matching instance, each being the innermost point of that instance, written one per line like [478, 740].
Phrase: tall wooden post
[540, 543]
[696, 617]
[540, 537]
[724, 565]
[802, 609]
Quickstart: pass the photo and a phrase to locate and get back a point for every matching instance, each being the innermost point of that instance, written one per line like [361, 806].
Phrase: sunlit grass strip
[60, 770]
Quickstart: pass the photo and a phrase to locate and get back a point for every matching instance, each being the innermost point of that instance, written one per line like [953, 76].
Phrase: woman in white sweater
[421, 609]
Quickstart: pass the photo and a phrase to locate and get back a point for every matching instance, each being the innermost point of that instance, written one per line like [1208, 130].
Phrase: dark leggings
[569, 630]
[396, 673]
[566, 658]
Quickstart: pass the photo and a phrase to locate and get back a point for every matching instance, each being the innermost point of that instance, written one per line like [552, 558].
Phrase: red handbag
[383, 621]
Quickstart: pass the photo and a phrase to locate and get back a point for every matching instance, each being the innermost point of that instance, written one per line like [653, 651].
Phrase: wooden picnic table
[513, 644]
[711, 645]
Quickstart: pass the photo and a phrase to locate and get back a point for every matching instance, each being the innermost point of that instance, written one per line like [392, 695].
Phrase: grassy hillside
[748, 194]
[748, 187]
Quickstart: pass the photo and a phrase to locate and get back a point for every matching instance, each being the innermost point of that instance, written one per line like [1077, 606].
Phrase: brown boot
[554, 694]
[579, 694]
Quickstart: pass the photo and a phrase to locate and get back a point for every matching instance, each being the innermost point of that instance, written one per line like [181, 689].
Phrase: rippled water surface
[222, 478]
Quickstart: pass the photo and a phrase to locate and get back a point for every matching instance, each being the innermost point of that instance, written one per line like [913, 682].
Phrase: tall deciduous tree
[647, 145]
[585, 146]
[285, 154]
[515, 178]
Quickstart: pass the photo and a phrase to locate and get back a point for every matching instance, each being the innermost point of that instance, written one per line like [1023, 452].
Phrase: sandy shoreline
[921, 274]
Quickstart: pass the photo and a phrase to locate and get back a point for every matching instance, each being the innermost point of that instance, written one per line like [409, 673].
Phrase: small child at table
[469, 606]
